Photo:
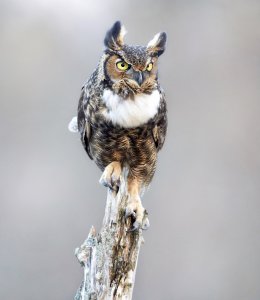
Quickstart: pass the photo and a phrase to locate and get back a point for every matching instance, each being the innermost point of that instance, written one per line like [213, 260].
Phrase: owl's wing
[84, 125]
[160, 126]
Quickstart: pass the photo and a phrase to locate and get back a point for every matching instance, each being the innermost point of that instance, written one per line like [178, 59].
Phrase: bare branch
[110, 258]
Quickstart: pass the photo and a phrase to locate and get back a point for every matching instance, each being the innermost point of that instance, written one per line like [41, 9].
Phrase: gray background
[204, 241]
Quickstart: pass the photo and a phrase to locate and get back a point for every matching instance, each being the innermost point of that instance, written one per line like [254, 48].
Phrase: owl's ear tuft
[114, 38]
[157, 45]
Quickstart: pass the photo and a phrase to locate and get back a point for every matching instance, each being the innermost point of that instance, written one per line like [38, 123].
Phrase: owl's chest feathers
[130, 113]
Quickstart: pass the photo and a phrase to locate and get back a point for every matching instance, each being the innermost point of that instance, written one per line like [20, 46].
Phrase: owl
[122, 115]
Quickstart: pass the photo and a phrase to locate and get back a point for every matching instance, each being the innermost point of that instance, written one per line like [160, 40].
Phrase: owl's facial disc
[129, 79]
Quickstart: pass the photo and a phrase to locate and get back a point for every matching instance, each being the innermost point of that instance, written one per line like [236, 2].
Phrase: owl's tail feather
[73, 125]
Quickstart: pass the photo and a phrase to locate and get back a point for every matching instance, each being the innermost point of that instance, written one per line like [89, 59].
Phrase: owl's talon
[111, 176]
[135, 210]
[129, 212]
[104, 183]
[146, 223]
[136, 226]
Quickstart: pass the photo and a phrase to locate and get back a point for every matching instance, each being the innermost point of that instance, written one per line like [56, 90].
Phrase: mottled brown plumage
[122, 114]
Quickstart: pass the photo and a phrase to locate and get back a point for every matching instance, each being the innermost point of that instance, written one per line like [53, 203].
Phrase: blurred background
[204, 204]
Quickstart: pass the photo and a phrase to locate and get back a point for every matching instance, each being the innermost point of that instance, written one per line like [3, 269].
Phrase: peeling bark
[110, 258]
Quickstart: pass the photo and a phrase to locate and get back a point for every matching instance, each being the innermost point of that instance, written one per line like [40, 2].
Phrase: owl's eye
[122, 65]
[149, 67]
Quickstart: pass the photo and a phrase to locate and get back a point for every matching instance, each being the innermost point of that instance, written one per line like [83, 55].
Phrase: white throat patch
[131, 113]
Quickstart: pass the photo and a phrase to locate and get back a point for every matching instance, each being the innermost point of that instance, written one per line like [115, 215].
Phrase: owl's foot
[111, 175]
[136, 210]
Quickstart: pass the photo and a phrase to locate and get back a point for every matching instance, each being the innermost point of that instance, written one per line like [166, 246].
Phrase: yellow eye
[122, 65]
[149, 67]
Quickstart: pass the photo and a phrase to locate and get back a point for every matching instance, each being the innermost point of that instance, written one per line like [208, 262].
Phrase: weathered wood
[110, 258]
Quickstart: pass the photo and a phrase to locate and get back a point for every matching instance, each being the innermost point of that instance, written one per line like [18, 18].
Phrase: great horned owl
[122, 115]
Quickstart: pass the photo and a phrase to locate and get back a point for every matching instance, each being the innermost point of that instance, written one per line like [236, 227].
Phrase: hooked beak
[138, 77]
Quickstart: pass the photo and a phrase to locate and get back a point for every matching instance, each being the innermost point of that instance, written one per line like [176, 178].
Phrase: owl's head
[131, 70]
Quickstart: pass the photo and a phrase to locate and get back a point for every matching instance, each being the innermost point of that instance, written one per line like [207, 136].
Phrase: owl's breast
[130, 113]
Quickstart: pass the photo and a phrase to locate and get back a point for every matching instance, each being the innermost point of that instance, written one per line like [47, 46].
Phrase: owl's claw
[136, 226]
[135, 210]
[111, 176]
[146, 223]
[129, 212]
[109, 184]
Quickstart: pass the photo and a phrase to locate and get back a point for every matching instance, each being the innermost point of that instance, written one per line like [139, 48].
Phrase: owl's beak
[138, 77]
